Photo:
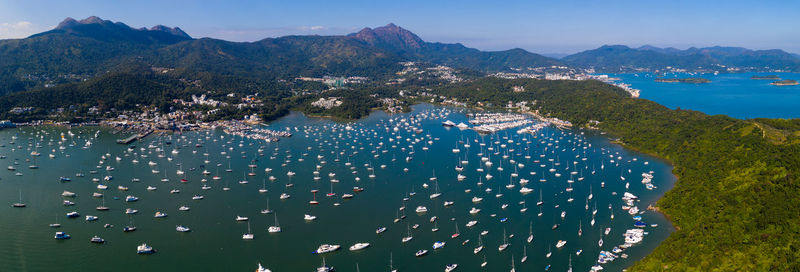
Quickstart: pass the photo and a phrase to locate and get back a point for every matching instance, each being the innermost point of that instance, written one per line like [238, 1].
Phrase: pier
[134, 137]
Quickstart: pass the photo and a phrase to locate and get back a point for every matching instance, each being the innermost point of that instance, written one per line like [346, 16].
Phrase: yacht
[325, 248]
[97, 240]
[61, 236]
[145, 249]
[181, 228]
[359, 246]
[262, 269]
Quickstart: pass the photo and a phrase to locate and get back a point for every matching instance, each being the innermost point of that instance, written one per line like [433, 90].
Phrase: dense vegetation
[735, 203]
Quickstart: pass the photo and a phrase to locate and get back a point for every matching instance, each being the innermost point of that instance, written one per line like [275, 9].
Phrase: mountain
[90, 47]
[408, 45]
[616, 58]
[82, 49]
[104, 30]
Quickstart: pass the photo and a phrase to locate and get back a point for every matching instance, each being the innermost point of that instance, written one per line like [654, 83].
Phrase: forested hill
[407, 44]
[78, 50]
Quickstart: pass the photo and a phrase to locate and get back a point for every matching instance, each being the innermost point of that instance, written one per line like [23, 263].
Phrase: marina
[465, 193]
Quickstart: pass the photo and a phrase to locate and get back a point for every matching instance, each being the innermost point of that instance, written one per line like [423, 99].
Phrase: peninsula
[787, 82]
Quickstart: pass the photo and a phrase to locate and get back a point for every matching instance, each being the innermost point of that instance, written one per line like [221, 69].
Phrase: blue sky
[537, 26]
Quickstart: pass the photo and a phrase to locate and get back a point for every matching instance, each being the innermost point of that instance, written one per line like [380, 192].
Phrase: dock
[134, 137]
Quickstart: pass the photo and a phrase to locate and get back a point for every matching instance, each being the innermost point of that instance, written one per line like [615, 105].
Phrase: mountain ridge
[615, 58]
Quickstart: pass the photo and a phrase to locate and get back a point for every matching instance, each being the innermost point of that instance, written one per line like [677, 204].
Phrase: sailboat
[391, 265]
[480, 245]
[580, 228]
[540, 199]
[267, 210]
[56, 224]
[436, 192]
[505, 242]
[263, 187]
[570, 264]
[513, 269]
[530, 235]
[325, 268]
[600, 243]
[408, 237]
[276, 228]
[248, 235]
[19, 204]
[102, 206]
[524, 254]
[456, 234]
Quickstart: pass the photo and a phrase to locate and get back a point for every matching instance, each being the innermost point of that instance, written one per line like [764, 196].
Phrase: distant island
[772, 77]
[787, 82]
[696, 80]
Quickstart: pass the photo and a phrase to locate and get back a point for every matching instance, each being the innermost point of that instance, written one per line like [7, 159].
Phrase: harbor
[361, 188]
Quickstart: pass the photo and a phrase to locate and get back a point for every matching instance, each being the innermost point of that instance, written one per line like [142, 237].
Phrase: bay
[733, 94]
[215, 243]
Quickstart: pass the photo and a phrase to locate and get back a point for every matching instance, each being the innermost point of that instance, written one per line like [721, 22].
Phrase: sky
[555, 26]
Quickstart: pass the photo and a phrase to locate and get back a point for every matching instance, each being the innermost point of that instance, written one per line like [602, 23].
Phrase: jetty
[134, 137]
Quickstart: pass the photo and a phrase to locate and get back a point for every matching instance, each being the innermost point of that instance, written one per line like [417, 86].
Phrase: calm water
[215, 243]
[735, 95]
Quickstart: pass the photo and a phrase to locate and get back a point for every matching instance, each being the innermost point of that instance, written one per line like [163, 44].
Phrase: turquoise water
[215, 243]
[735, 95]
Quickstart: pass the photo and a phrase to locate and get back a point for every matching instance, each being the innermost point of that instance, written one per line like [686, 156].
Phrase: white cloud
[17, 30]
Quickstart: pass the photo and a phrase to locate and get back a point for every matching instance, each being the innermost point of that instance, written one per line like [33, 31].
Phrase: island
[695, 80]
[770, 77]
[787, 82]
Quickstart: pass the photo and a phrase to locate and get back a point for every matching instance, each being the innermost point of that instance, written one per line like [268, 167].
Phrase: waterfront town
[187, 116]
